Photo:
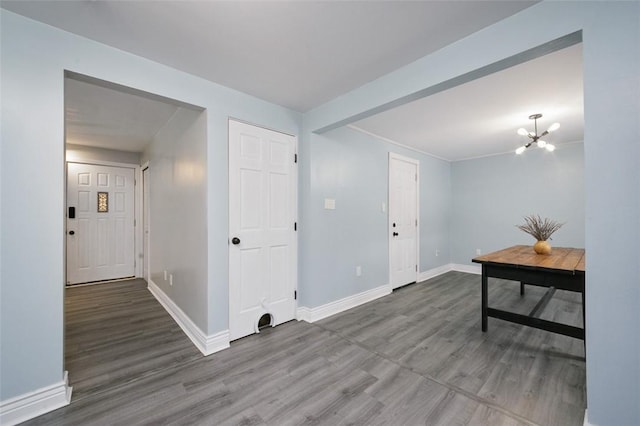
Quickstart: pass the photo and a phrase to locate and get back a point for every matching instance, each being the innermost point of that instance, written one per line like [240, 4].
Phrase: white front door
[403, 220]
[100, 227]
[262, 216]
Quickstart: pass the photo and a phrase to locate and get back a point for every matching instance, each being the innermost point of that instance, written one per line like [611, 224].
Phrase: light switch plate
[329, 204]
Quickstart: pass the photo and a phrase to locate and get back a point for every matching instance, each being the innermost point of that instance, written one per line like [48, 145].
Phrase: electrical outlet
[358, 271]
[170, 279]
[437, 253]
[478, 252]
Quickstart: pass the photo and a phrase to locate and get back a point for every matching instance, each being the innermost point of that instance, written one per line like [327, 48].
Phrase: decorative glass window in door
[103, 202]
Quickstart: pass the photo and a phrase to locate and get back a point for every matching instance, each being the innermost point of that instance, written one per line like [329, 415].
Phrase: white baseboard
[432, 273]
[316, 314]
[207, 344]
[469, 269]
[304, 313]
[33, 404]
[586, 419]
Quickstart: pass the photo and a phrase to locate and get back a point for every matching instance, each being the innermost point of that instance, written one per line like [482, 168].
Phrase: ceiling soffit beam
[128, 90]
[517, 59]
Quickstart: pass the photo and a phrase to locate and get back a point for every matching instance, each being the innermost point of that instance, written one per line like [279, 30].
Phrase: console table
[563, 269]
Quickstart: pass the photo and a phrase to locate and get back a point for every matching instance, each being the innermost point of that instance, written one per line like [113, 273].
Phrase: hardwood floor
[417, 356]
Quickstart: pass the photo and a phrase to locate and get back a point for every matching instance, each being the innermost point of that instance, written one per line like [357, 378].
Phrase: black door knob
[235, 240]
[72, 232]
[395, 234]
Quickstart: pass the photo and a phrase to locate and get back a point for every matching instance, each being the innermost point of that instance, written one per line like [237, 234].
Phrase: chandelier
[535, 137]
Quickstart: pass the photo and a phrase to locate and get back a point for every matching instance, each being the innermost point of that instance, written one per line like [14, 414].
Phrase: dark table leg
[485, 302]
[521, 288]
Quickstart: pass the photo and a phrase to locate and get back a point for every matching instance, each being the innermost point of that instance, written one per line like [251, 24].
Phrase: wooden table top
[561, 258]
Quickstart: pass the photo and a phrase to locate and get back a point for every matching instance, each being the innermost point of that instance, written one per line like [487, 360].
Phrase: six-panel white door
[403, 220]
[262, 215]
[100, 238]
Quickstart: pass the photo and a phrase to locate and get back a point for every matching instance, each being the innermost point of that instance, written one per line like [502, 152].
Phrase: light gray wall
[178, 211]
[352, 168]
[34, 58]
[89, 153]
[611, 46]
[491, 195]
[612, 182]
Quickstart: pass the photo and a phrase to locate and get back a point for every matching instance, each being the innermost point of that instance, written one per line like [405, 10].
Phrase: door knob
[72, 232]
[395, 234]
[235, 240]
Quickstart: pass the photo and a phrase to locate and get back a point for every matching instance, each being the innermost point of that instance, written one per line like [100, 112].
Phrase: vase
[542, 247]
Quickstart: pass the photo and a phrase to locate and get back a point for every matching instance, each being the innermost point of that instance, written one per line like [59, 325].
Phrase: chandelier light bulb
[520, 150]
[541, 144]
[553, 127]
[523, 132]
[549, 147]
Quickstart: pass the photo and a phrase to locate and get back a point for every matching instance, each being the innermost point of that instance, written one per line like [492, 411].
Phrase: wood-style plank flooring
[415, 357]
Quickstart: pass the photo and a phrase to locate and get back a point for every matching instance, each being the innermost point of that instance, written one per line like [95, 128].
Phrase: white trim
[586, 419]
[207, 344]
[392, 142]
[146, 251]
[36, 403]
[432, 273]
[412, 148]
[469, 269]
[304, 313]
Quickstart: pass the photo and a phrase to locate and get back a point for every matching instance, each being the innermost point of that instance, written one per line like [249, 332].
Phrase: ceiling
[300, 54]
[108, 117]
[481, 117]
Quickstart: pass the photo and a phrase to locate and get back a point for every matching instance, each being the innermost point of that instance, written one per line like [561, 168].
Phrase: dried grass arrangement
[538, 228]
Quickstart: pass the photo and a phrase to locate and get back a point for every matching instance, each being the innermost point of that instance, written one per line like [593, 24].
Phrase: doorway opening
[117, 141]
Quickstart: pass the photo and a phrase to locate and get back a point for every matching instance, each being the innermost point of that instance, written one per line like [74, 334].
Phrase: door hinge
[295, 295]
[416, 222]
[295, 158]
[295, 226]
[134, 223]
[416, 268]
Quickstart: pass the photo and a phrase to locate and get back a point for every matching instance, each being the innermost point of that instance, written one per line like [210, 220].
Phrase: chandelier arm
[535, 137]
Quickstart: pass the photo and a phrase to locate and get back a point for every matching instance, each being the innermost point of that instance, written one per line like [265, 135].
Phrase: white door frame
[144, 224]
[294, 243]
[395, 156]
[137, 211]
